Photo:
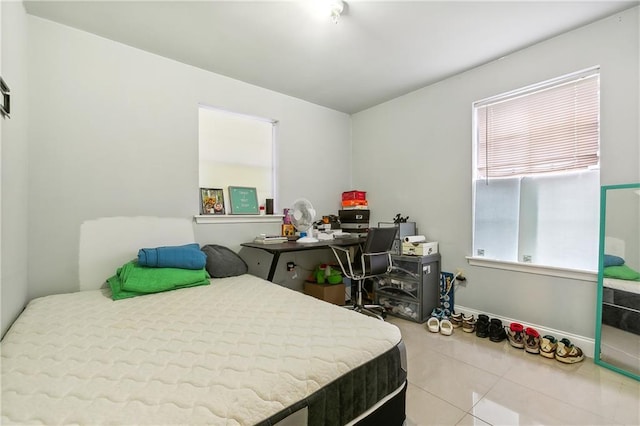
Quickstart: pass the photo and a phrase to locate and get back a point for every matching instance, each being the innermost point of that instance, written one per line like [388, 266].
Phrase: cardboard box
[419, 249]
[332, 293]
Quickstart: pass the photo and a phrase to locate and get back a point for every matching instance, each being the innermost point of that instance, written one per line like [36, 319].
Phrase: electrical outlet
[460, 275]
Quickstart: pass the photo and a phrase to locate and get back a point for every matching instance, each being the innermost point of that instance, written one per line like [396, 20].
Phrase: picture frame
[212, 201]
[5, 105]
[243, 200]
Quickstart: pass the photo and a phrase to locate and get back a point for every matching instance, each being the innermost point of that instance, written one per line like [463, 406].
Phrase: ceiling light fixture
[336, 8]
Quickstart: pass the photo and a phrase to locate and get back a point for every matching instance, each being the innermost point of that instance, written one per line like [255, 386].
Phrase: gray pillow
[223, 262]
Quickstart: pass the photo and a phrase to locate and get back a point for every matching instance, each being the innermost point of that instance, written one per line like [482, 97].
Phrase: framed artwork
[212, 201]
[5, 106]
[244, 200]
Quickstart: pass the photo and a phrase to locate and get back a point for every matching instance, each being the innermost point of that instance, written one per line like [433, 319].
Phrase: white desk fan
[302, 214]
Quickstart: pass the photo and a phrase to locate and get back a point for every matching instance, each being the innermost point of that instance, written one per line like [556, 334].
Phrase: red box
[354, 195]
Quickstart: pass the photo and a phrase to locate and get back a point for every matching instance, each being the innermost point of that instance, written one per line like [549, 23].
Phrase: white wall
[418, 149]
[114, 132]
[14, 149]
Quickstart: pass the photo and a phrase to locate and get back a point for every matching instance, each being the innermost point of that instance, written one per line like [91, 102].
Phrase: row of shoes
[519, 337]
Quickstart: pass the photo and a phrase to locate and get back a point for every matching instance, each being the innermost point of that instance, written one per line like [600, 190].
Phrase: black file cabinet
[411, 289]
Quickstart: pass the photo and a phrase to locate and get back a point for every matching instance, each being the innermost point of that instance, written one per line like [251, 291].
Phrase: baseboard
[585, 343]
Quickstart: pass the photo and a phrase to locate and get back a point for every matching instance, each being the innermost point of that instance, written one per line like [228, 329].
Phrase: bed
[239, 351]
[620, 289]
[621, 304]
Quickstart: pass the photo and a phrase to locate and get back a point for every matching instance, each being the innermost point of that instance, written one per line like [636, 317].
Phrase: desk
[278, 248]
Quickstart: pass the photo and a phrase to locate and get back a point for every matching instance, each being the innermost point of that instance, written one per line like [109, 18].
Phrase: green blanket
[133, 280]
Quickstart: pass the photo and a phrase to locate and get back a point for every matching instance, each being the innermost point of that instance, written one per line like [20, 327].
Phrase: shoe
[567, 353]
[548, 346]
[437, 313]
[482, 326]
[531, 341]
[433, 324]
[468, 323]
[496, 331]
[446, 327]
[515, 333]
[456, 320]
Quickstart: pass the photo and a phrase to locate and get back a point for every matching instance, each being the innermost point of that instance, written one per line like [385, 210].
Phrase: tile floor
[621, 348]
[465, 380]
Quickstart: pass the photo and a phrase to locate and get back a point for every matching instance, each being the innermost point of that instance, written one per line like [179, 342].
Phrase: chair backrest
[379, 240]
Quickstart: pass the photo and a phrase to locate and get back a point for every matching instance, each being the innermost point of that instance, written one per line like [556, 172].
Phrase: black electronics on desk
[405, 229]
[355, 221]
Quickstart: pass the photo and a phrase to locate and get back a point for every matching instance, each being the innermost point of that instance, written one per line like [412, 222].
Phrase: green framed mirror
[618, 305]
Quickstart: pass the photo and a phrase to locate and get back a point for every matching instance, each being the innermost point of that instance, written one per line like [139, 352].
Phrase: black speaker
[269, 205]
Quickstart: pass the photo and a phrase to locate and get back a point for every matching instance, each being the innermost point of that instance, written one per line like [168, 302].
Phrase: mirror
[618, 315]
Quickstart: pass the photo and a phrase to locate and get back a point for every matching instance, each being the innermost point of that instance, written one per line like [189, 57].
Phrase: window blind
[545, 128]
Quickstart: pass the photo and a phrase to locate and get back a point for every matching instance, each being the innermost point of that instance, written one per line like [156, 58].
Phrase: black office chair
[374, 260]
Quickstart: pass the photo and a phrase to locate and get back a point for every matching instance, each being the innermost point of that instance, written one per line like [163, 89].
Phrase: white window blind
[545, 128]
[536, 173]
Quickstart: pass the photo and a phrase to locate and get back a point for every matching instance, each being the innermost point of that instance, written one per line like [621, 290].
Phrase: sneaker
[531, 341]
[468, 323]
[567, 353]
[515, 333]
[482, 326]
[548, 346]
[496, 330]
[456, 320]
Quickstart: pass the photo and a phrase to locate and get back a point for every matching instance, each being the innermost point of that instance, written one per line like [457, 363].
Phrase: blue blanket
[185, 257]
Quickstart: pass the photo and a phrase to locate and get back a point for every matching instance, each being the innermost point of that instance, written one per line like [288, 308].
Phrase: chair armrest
[348, 273]
[342, 249]
[371, 256]
[347, 269]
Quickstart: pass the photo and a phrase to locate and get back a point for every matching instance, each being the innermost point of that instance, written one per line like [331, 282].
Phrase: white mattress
[231, 353]
[625, 285]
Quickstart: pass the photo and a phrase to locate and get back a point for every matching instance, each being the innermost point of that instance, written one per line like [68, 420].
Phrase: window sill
[574, 274]
[239, 218]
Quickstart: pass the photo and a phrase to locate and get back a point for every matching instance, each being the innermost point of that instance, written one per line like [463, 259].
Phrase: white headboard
[614, 246]
[108, 243]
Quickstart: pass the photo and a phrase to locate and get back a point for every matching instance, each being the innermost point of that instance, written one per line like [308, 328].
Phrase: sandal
[568, 353]
[446, 327]
[437, 313]
[548, 346]
[433, 324]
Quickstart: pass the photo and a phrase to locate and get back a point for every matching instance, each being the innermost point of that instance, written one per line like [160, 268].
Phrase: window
[536, 174]
[236, 150]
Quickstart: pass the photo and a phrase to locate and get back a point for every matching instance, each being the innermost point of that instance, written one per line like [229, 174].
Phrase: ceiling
[377, 51]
